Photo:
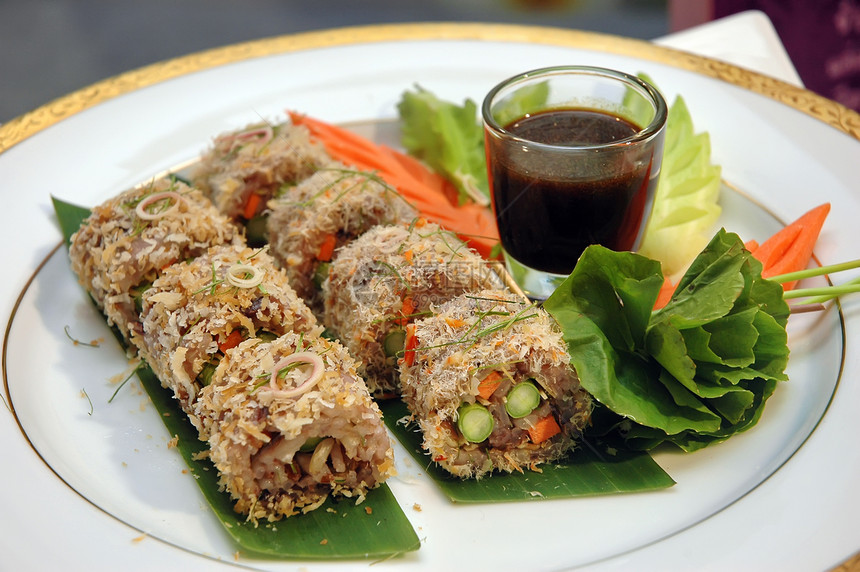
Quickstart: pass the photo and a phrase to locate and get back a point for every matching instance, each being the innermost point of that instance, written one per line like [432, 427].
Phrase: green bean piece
[266, 336]
[475, 422]
[257, 231]
[137, 294]
[394, 342]
[311, 444]
[205, 376]
[522, 399]
[320, 274]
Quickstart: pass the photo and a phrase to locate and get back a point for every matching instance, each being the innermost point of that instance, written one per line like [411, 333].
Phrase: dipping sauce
[545, 223]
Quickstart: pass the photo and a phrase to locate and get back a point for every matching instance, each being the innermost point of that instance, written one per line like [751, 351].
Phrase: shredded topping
[312, 379]
[244, 276]
[172, 198]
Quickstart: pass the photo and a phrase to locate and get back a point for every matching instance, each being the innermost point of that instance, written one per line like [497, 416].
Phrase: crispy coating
[278, 455]
[259, 159]
[490, 335]
[388, 277]
[115, 251]
[310, 221]
[193, 309]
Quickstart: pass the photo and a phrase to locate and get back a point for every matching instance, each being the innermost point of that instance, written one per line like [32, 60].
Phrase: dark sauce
[546, 223]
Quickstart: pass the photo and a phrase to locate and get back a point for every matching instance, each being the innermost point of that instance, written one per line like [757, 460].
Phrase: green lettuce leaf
[525, 100]
[449, 138]
[697, 371]
[686, 202]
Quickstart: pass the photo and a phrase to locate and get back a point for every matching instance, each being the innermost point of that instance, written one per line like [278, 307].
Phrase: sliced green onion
[475, 422]
[394, 342]
[522, 399]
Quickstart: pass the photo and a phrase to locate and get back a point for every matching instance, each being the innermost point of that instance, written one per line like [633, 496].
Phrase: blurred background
[49, 48]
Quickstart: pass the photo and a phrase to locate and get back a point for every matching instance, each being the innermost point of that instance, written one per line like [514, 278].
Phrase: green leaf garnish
[449, 138]
[594, 468]
[693, 373]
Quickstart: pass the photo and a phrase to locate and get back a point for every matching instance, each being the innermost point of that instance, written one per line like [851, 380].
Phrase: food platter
[100, 480]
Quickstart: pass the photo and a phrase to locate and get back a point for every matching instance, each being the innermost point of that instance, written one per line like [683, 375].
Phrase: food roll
[290, 422]
[243, 169]
[126, 241]
[386, 278]
[324, 212]
[196, 310]
[487, 378]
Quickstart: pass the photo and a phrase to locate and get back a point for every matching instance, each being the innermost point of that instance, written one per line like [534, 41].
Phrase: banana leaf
[375, 529]
[594, 468]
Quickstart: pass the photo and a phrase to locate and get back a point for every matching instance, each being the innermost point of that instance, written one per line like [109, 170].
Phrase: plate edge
[25, 126]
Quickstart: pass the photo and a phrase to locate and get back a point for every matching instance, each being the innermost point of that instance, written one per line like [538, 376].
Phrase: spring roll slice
[488, 380]
[243, 169]
[388, 277]
[310, 221]
[290, 422]
[197, 310]
[125, 243]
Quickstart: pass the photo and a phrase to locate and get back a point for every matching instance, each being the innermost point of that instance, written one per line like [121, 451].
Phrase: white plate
[98, 483]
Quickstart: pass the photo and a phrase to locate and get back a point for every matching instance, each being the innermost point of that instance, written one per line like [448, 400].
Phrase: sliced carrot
[410, 345]
[432, 194]
[326, 250]
[790, 249]
[252, 203]
[407, 255]
[751, 245]
[543, 429]
[421, 172]
[234, 338]
[406, 310]
[776, 246]
[665, 294]
[455, 322]
[489, 384]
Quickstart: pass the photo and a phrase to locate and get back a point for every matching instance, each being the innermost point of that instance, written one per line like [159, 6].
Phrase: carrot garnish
[665, 294]
[489, 385]
[234, 338]
[406, 310]
[543, 429]
[409, 345]
[751, 245]
[326, 250]
[251, 205]
[429, 192]
[790, 249]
